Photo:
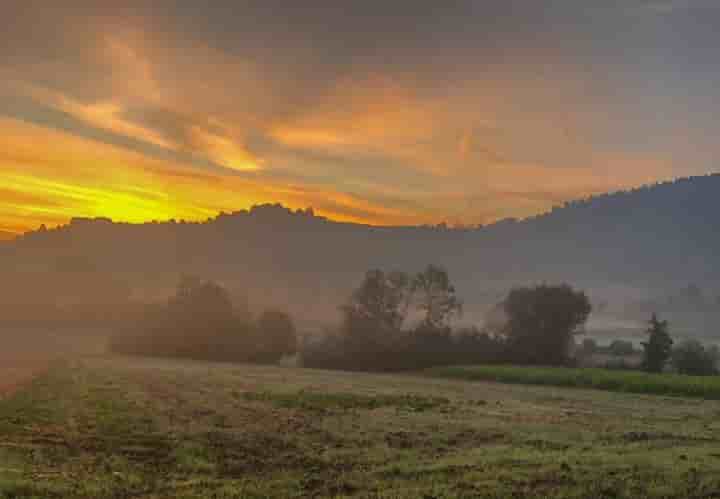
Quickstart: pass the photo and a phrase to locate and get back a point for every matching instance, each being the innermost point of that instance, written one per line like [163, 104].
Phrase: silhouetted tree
[589, 346]
[372, 320]
[381, 301]
[201, 301]
[541, 323]
[200, 322]
[436, 297]
[277, 336]
[372, 336]
[691, 357]
[657, 349]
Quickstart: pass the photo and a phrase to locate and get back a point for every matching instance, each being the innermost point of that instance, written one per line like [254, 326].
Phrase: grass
[323, 402]
[121, 428]
[706, 387]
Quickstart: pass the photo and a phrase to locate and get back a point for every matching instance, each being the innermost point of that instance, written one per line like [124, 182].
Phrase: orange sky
[129, 115]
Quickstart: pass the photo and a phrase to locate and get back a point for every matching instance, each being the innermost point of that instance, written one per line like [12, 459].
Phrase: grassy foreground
[707, 387]
[119, 428]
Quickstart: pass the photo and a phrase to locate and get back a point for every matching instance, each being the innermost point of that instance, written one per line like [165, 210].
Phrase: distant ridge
[654, 237]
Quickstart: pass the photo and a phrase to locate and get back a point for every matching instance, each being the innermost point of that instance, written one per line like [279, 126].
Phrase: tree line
[201, 322]
[394, 321]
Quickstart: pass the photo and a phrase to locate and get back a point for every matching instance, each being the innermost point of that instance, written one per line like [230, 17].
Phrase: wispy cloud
[471, 110]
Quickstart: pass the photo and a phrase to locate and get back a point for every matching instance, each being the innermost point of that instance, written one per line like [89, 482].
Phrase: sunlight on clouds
[371, 114]
[225, 151]
[51, 176]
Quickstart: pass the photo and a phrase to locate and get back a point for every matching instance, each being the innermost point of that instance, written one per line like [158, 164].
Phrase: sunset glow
[409, 115]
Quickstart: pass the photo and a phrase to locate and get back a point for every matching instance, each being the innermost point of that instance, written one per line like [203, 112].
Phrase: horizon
[10, 236]
[410, 114]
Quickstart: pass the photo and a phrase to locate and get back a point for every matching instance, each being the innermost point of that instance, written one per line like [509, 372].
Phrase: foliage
[604, 379]
[380, 301]
[589, 346]
[372, 336]
[411, 350]
[276, 336]
[200, 322]
[436, 296]
[657, 350]
[691, 357]
[541, 323]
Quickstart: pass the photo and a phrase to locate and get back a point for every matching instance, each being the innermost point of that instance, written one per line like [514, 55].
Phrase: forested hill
[657, 236]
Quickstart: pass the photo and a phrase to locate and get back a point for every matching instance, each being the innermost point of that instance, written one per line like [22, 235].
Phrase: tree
[201, 322]
[381, 301]
[589, 346]
[201, 301]
[541, 323]
[657, 350]
[691, 357]
[277, 336]
[437, 298]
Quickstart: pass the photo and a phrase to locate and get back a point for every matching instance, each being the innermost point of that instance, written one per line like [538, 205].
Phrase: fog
[634, 253]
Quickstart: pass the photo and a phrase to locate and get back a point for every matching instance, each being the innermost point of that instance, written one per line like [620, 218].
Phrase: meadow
[706, 387]
[111, 427]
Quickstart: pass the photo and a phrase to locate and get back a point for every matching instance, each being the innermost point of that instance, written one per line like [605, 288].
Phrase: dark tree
[541, 323]
[691, 357]
[277, 336]
[657, 350]
[381, 301]
[201, 301]
[436, 297]
[200, 322]
[589, 346]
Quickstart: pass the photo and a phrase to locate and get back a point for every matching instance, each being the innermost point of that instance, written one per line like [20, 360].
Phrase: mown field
[119, 428]
[706, 387]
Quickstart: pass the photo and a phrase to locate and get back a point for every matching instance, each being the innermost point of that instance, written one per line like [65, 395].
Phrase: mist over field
[637, 252]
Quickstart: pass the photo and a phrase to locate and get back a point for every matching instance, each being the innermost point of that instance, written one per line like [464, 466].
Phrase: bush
[200, 322]
[617, 381]
[372, 336]
[691, 357]
[411, 350]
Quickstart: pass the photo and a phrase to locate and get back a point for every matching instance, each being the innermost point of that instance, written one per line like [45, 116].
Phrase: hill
[624, 246]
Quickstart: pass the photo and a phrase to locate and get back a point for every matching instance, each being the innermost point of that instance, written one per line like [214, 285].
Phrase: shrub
[200, 322]
[691, 357]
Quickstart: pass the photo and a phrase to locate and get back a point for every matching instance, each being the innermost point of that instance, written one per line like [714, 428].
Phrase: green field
[706, 387]
[126, 428]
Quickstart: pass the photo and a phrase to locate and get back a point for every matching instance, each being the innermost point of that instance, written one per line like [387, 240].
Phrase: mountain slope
[655, 237]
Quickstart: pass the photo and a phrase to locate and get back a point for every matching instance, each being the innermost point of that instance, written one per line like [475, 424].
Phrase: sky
[389, 113]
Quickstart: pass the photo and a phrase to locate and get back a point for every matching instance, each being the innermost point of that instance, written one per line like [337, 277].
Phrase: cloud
[395, 112]
[225, 150]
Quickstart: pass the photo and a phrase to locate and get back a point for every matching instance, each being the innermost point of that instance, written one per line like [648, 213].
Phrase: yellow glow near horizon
[68, 176]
